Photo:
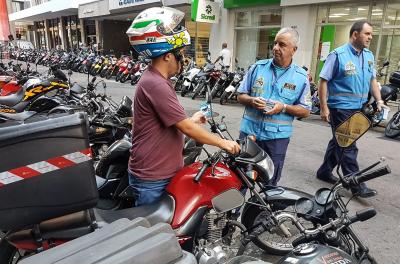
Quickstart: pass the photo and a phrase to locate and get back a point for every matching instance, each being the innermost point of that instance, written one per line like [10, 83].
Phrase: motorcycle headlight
[266, 165]
[223, 76]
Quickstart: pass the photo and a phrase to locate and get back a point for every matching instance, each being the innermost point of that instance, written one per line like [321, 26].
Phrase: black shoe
[365, 192]
[330, 178]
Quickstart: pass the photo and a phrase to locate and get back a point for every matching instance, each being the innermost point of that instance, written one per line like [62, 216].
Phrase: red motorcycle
[201, 204]
[122, 67]
[8, 85]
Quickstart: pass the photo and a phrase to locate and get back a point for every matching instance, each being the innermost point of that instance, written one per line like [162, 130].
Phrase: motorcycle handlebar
[372, 175]
[362, 215]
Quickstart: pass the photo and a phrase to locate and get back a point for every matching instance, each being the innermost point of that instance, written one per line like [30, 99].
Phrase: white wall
[303, 19]
[221, 32]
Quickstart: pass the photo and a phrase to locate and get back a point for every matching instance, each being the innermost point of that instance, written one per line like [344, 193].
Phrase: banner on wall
[205, 11]
[117, 4]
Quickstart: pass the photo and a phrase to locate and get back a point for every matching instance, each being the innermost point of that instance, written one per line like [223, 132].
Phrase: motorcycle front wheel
[224, 98]
[274, 242]
[392, 129]
[123, 78]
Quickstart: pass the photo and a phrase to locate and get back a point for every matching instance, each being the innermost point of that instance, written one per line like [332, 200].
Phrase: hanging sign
[205, 11]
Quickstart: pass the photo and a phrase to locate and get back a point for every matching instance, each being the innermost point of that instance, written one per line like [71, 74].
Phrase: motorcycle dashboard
[323, 196]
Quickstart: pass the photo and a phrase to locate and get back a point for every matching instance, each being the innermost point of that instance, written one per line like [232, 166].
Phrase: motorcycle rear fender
[229, 89]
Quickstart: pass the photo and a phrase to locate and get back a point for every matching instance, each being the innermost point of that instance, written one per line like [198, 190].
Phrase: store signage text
[126, 2]
[205, 11]
[118, 4]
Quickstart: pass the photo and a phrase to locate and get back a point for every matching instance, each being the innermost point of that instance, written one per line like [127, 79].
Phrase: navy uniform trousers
[276, 149]
[334, 153]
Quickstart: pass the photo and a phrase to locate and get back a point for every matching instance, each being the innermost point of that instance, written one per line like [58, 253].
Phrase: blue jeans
[147, 192]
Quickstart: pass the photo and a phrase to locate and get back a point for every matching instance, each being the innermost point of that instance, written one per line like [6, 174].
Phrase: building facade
[249, 27]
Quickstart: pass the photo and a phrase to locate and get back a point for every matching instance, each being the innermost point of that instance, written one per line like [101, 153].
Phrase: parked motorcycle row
[195, 81]
[123, 69]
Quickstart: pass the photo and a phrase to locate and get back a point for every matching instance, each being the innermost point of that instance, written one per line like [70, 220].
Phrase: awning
[48, 10]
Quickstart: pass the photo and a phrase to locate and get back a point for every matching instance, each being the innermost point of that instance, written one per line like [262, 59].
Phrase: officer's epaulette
[301, 70]
[367, 50]
[339, 50]
[261, 62]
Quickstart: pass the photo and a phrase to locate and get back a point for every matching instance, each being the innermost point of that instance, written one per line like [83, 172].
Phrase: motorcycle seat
[18, 116]
[12, 99]
[159, 212]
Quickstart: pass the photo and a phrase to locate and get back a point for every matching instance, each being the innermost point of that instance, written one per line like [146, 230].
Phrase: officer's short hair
[358, 26]
[293, 34]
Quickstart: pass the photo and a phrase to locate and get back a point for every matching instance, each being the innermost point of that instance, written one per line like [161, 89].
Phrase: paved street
[304, 156]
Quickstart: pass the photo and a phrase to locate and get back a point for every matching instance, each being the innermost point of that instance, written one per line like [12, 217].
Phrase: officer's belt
[269, 120]
[350, 95]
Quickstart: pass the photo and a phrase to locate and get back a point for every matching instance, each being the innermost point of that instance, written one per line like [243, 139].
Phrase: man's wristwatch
[284, 108]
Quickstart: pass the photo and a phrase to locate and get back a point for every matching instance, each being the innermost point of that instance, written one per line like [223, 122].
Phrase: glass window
[377, 12]
[253, 44]
[393, 13]
[258, 18]
[348, 13]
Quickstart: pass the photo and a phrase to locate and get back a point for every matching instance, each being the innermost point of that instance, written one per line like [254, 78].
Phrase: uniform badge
[289, 86]
[259, 82]
[258, 87]
[350, 69]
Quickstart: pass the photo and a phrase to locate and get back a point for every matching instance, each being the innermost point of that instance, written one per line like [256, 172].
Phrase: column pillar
[83, 31]
[63, 33]
[99, 33]
[47, 34]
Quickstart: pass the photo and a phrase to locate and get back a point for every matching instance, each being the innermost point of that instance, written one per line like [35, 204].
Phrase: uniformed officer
[346, 78]
[274, 91]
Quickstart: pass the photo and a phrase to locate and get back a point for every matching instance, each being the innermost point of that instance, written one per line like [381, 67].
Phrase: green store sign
[205, 11]
[248, 3]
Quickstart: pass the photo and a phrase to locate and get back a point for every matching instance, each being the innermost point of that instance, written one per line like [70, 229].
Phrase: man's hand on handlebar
[230, 146]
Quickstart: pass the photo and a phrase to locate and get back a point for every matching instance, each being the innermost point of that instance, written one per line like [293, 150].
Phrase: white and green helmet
[156, 31]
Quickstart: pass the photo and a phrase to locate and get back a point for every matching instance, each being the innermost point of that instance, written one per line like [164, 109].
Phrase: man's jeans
[147, 192]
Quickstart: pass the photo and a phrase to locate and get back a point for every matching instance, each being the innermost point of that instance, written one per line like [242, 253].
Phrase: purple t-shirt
[156, 143]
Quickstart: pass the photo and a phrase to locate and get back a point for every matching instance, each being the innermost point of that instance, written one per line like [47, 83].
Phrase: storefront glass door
[390, 50]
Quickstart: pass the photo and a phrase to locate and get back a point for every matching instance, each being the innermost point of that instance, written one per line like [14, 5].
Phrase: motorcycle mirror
[386, 63]
[351, 129]
[227, 201]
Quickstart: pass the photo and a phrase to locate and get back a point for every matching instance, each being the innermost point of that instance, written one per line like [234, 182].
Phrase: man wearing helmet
[160, 120]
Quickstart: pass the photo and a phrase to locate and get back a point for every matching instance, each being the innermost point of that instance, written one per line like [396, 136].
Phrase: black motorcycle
[392, 129]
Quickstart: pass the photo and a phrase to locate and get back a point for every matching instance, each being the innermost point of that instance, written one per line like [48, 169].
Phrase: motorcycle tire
[271, 242]
[184, 91]
[124, 78]
[8, 253]
[214, 91]
[118, 76]
[134, 80]
[108, 74]
[224, 98]
[392, 129]
[103, 73]
[197, 90]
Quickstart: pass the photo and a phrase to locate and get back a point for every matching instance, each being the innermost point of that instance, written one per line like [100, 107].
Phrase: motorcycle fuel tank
[317, 254]
[190, 195]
